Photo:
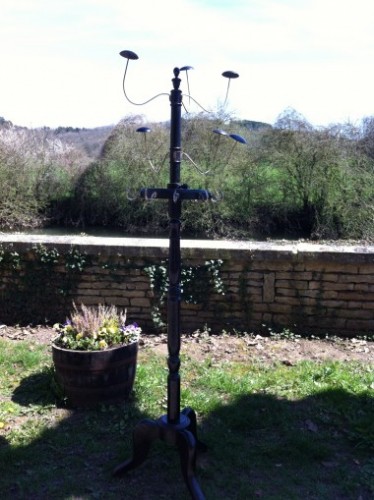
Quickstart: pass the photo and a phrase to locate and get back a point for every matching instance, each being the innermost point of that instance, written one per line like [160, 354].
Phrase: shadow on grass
[74, 457]
[37, 389]
[318, 447]
[259, 446]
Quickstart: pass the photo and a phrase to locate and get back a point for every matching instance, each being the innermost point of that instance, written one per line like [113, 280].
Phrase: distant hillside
[252, 125]
[90, 140]
[5, 123]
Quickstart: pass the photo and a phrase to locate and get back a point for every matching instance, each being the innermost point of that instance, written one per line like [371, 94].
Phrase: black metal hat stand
[177, 428]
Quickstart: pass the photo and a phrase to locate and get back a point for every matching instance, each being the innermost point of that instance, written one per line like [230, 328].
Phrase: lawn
[283, 418]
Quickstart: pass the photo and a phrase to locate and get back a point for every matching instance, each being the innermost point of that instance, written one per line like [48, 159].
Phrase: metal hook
[230, 75]
[216, 196]
[176, 196]
[238, 139]
[220, 133]
[235, 137]
[147, 196]
[187, 69]
[145, 131]
[130, 196]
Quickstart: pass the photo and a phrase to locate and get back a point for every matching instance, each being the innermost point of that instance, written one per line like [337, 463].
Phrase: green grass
[273, 431]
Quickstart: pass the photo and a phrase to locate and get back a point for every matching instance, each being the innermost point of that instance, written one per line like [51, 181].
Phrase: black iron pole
[176, 427]
[174, 292]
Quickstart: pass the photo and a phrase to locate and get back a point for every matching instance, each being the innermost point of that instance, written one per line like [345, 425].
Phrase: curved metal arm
[137, 103]
[194, 100]
[195, 165]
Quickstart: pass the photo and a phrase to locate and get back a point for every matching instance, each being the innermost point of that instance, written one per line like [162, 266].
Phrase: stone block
[140, 302]
[268, 288]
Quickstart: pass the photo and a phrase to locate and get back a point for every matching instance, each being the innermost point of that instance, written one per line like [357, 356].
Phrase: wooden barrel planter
[90, 378]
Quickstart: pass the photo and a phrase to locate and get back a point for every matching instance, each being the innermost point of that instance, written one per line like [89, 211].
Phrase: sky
[60, 62]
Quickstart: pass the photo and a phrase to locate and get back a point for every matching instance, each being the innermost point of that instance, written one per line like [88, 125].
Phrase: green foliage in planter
[94, 329]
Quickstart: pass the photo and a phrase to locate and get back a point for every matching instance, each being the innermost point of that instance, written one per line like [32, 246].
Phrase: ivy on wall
[38, 286]
[33, 288]
[197, 284]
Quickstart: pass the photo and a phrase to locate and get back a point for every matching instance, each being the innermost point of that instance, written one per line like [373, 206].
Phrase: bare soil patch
[245, 347]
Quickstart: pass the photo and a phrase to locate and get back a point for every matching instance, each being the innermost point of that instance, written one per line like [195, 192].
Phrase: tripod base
[183, 435]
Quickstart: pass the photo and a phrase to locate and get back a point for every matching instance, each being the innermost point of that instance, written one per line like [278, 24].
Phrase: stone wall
[304, 287]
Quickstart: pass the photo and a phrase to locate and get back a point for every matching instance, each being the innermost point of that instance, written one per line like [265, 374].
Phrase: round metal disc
[129, 54]
[220, 132]
[238, 138]
[230, 74]
[144, 130]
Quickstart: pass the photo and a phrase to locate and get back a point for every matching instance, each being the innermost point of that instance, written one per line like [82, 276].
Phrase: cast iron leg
[182, 435]
[144, 434]
[186, 444]
[191, 415]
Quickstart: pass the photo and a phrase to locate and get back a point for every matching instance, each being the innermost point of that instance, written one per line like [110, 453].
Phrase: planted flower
[95, 356]
[95, 328]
